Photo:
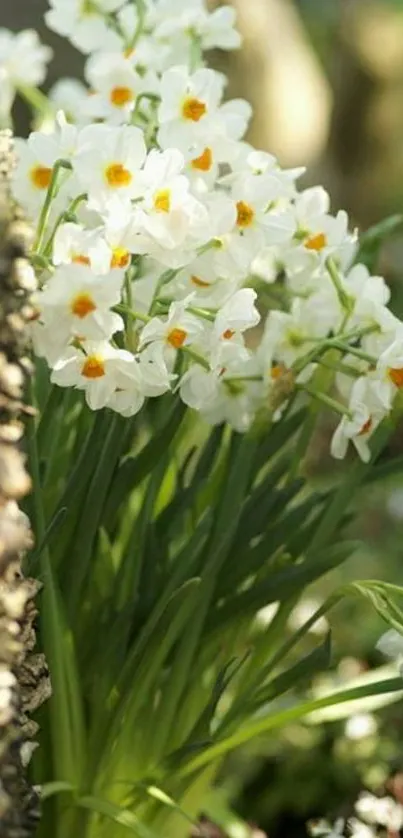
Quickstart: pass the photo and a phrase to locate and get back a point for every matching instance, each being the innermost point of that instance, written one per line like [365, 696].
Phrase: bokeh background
[325, 78]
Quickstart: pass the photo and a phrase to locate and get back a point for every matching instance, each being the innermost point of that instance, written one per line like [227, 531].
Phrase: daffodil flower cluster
[174, 256]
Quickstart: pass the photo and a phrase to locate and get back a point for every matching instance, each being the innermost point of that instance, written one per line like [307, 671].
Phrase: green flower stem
[352, 350]
[44, 216]
[67, 215]
[337, 366]
[37, 100]
[341, 342]
[346, 301]
[133, 315]
[196, 357]
[333, 404]
[205, 313]
[141, 18]
[151, 97]
[166, 277]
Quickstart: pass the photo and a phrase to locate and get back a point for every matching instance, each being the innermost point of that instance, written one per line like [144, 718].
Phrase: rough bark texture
[24, 681]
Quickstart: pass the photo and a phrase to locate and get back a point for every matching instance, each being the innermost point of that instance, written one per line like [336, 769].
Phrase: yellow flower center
[82, 304]
[193, 109]
[93, 367]
[317, 242]
[396, 375]
[228, 334]
[80, 259]
[200, 283]
[121, 96]
[176, 337]
[245, 214]
[117, 176]
[120, 257]
[204, 162]
[41, 176]
[162, 200]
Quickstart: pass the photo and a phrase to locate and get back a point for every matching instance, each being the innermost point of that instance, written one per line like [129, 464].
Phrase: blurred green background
[326, 81]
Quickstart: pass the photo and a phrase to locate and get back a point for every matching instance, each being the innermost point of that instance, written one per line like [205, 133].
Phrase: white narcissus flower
[84, 22]
[23, 61]
[168, 213]
[257, 224]
[102, 248]
[320, 233]
[238, 314]
[109, 376]
[191, 114]
[107, 162]
[214, 29]
[223, 395]
[33, 173]
[70, 96]
[366, 414]
[279, 184]
[72, 243]
[288, 335]
[36, 158]
[179, 329]
[115, 86]
[201, 278]
[390, 369]
[77, 302]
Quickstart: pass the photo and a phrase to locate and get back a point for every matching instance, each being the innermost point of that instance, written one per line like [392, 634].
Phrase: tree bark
[24, 681]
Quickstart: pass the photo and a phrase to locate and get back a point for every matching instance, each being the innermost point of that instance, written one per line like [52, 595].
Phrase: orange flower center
[93, 367]
[82, 304]
[396, 375]
[193, 109]
[41, 176]
[80, 259]
[120, 257]
[245, 214]
[204, 162]
[276, 371]
[317, 242]
[177, 337]
[199, 282]
[366, 427]
[117, 176]
[121, 96]
[228, 334]
[162, 200]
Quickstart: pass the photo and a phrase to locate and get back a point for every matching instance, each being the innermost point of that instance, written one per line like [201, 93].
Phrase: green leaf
[134, 469]
[140, 674]
[303, 670]
[255, 696]
[280, 585]
[92, 513]
[279, 720]
[117, 814]
[57, 787]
